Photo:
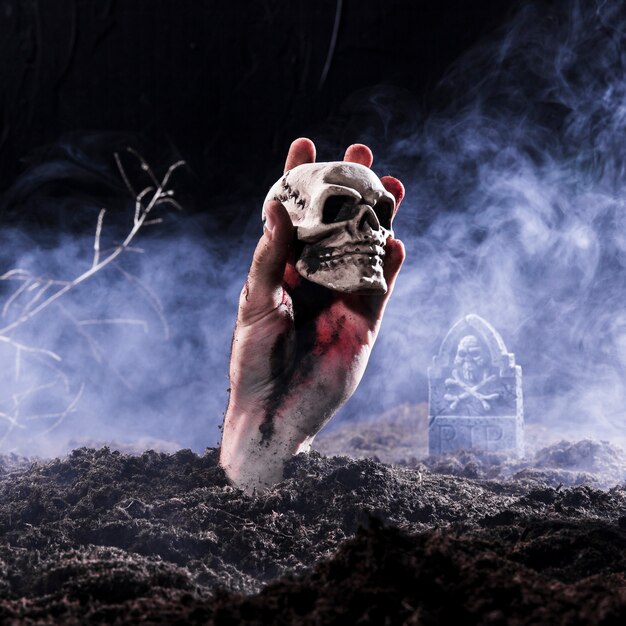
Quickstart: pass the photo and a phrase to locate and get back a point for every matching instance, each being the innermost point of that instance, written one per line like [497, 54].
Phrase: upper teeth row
[371, 249]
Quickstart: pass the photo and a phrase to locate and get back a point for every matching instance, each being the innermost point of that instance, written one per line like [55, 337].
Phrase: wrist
[256, 445]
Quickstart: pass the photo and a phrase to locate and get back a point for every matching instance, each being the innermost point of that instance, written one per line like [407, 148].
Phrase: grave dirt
[106, 537]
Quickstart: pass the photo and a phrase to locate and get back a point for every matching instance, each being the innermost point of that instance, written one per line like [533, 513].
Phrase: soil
[106, 537]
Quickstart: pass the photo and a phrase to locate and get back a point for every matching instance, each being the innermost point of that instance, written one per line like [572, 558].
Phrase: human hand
[299, 350]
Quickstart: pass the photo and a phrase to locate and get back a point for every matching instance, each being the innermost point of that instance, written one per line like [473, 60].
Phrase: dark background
[503, 118]
[224, 85]
[478, 106]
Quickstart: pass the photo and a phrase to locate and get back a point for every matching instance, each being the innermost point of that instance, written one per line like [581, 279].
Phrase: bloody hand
[299, 350]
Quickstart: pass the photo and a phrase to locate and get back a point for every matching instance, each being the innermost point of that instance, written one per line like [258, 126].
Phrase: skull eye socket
[339, 209]
[462, 354]
[384, 212]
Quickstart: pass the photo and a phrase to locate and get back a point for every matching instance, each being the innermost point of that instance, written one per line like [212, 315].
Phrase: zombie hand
[299, 350]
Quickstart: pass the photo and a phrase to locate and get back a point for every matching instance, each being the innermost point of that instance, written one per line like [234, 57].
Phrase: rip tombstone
[475, 392]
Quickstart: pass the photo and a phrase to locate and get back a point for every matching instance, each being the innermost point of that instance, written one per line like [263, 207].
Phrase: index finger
[301, 151]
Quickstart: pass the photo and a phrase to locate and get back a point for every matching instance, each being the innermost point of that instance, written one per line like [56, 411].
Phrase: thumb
[263, 290]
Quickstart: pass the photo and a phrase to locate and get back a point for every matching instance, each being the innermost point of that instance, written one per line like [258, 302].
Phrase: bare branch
[33, 295]
[96, 242]
[16, 274]
[16, 294]
[139, 208]
[40, 293]
[157, 195]
[11, 420]
[172, 168]
[144, 165]
[151, 297]
[114, 321]
[61, 415]
[24, 348]
[122, 172]
[30, 283]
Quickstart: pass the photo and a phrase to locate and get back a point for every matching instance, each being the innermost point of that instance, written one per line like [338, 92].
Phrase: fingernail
[269, 221]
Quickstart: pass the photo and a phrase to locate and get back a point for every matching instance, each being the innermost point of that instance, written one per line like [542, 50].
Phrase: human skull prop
[343, 216]
[470, 360]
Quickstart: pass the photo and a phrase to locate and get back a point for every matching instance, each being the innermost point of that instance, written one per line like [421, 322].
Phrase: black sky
[225, 85]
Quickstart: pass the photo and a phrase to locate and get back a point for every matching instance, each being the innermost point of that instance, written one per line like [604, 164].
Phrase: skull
[470, 360]
[343, 217]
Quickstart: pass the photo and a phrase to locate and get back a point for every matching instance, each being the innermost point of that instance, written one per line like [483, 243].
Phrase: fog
[515, 210]
[516, 193]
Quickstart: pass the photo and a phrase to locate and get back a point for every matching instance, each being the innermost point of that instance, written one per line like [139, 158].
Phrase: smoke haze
[517, 191]
[515, 211]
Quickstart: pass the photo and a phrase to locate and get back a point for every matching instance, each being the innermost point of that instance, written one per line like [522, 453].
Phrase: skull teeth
[370, 250]
[360, 259]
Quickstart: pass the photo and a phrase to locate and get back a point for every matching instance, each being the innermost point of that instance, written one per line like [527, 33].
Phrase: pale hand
[299, 350]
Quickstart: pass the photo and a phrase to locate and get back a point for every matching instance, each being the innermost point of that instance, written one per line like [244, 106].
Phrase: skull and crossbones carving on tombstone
[343, 214]
[475, 399]
[466, 388]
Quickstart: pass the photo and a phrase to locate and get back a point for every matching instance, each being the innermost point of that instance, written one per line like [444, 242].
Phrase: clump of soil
[566, 463]
[102, 536]
[400, 437]
[11, 463]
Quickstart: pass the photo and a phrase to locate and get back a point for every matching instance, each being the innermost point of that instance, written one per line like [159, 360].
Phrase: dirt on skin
[106, 537]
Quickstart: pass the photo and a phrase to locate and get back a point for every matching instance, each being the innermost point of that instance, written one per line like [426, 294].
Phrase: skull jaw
[349, 273]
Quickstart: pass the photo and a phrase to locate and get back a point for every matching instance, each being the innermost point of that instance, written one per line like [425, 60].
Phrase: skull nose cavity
[369, 218]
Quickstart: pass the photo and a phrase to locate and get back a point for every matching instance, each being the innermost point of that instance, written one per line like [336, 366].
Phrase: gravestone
[475, 392]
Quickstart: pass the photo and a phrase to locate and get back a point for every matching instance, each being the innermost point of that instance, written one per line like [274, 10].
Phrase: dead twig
[36, 294]
[158, 195]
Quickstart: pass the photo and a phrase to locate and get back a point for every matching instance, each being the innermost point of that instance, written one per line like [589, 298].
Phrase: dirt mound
[106, 537]
[384, 576]
[400, 437]
[596, 463]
